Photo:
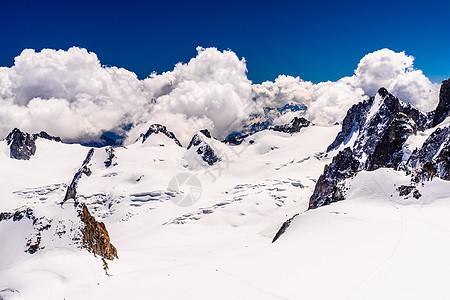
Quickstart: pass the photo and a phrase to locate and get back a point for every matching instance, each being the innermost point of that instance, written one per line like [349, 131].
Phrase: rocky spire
[443, 107]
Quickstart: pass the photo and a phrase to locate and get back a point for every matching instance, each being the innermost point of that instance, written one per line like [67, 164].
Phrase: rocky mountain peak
[373, 132]
[443, 107]
[23, 145]
[206, 133]
[158, 128]
[375, 129]
[199, 143]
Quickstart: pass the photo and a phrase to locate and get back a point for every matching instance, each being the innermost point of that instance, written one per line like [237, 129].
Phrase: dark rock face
[95, 236]
[294, 126]
[109, 157]
[376, 130]
[443, 107]
[203, 149]
[283, 228]
[343, 166]
[39, 224]
[71, 192]
[23, 145]
[379, 127]
[206, 133]
[388, 152]
[433, 158]
[406, 190]
[353, 122]
[92, 235]
[158, 128]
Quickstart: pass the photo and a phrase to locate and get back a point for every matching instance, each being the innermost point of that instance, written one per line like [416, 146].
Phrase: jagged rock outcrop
[443, 107]
[95, 236]
[374, 131]
[38, 224]
[23, 145]
[343, 166]
[294, 126]
[406, 190]
[85, 232]
[200, 145]
[353, 122]
[158, 128]
[71, 192]
[109, 157]
[375, 122]
[433, 158]
[283, 228]
[388, 151]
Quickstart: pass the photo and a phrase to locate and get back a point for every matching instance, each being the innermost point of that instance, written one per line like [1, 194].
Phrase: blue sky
[317, 40]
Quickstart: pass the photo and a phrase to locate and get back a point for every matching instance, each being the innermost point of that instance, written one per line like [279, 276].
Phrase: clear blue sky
[318, 40]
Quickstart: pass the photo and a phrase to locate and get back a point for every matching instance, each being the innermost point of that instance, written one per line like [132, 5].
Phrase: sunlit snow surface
[374, 245]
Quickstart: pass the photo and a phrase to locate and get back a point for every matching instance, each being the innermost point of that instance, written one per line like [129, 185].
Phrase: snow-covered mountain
[253, 216]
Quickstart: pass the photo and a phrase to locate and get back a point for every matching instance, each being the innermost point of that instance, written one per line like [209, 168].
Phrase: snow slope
[375, 244]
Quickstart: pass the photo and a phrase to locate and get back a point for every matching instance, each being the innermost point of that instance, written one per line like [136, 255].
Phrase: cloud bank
[71, 95]
[328, 102]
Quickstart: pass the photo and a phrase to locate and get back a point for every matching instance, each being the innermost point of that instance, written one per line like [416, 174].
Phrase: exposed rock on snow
[95, 236]
[405, 190]
[283, 228]
[388, 151]
[327, 190]
[375, 123]
[84, 233]
[352, 124]
[23, 145]
[433, 158]
[294, 126]
[84, 169]
[374, 131]
[158, 128]
[200, 145]
[109, 157]
[443, 107]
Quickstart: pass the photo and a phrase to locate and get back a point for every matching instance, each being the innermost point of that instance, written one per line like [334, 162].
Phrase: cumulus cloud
[210, 91]
[70, 94]
[395, 72]
[328, 102]
[331, 100]
[285, 89]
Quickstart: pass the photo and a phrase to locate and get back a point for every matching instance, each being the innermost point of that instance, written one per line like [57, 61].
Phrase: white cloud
[210, 91]
[283, 90]
[395, 72]
[328, 102]
[70, 94]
